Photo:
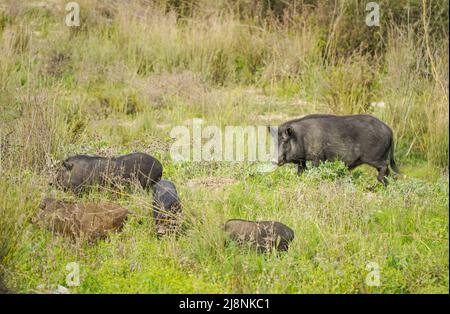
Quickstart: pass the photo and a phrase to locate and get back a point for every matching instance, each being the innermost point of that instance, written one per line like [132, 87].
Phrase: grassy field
[132, 71]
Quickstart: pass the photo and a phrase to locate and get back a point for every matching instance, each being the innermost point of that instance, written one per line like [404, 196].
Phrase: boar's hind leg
[383, 171]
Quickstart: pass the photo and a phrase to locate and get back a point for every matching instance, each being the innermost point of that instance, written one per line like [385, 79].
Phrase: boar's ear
[288, 132]
[67, 165]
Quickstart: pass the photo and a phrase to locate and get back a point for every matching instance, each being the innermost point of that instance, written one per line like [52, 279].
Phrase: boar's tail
[391, 158]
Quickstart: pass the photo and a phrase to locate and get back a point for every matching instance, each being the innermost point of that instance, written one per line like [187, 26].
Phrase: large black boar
[355, 139]
[166, 207]
[261, 235]
[82, 171]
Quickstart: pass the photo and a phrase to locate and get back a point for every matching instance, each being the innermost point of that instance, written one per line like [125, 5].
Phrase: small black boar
[354, 139]
[82, 171]
[261, 235]
[166, 207]
[90, 220]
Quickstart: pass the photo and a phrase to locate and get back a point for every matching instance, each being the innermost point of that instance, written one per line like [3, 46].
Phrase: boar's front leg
[301, 166]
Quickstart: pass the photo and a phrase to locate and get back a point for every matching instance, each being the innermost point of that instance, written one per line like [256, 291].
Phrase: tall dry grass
[98, 66]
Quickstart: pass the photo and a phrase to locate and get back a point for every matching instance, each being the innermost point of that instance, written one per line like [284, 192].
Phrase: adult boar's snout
[280, 160]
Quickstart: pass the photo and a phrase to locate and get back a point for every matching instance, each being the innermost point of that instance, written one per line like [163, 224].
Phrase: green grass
[340, 220]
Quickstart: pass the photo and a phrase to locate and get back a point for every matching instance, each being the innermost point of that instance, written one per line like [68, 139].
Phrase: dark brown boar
[166, 208]
[89, 220]
[354, 139]
[260, 235]
[81, 171]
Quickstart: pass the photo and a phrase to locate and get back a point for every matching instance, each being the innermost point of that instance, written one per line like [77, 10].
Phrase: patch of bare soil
[210, 182]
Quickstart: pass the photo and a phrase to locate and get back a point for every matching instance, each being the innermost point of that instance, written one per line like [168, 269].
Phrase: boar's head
[63, 174]
[167, 221]
[288, 148]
